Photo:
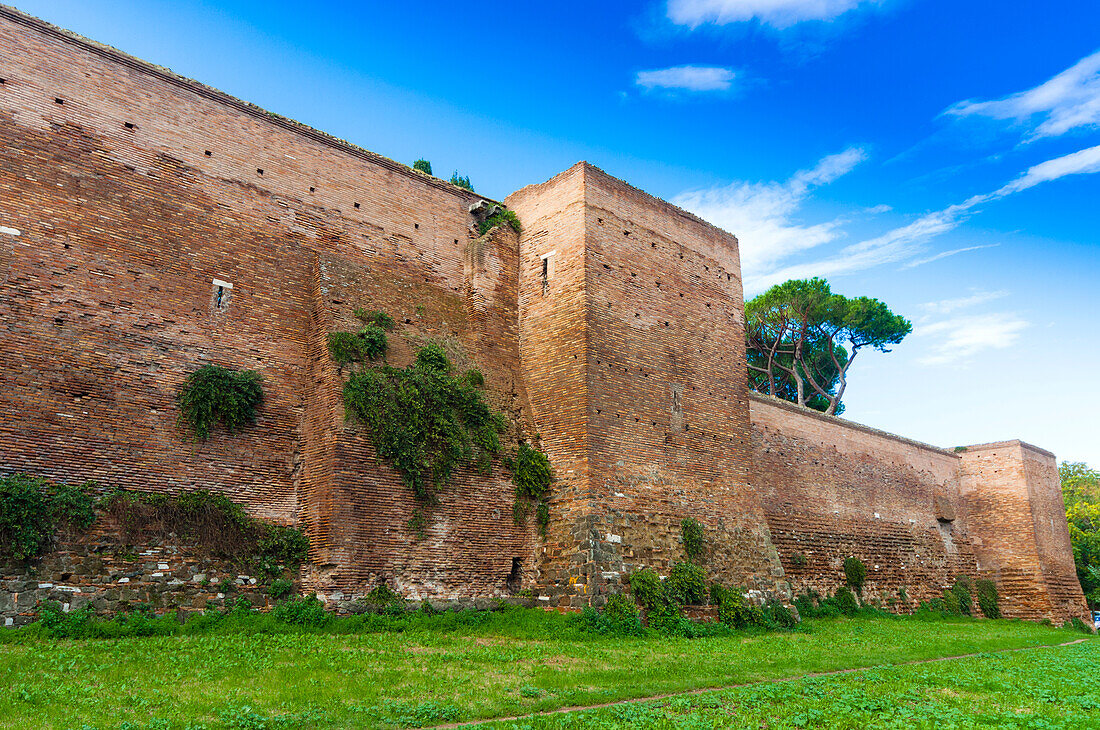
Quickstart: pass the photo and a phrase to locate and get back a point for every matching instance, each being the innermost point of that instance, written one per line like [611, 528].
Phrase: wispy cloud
[762, 214]
[688, 78]
[776, 13]
[947, 306]
[1070, 100]
[959, 338]
[945, 254]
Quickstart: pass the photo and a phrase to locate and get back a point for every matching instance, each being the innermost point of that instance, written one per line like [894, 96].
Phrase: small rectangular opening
[357, 205]
[547, 270]
[209, 153]
[130, 125]
[223, 290]
[259, 171]
[59, 101]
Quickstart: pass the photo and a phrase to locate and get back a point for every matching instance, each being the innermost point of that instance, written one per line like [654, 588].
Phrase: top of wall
[844, 423]
[1013, 443]
[210, 93]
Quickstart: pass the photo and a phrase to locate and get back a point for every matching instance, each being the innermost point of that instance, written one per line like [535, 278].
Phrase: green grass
[1040, 688]
[253, 673]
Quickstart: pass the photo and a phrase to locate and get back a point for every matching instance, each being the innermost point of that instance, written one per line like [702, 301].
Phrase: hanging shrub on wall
[987, 597]
[691, 530]
[213, 395]
[424, 420]
[500, 217]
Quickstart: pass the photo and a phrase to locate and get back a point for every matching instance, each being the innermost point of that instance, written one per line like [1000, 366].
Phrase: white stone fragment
[162, 566]
[10, 232]
[9, 622]
[45, 585]
[69, 589]
[123, 580]
[614, 538]
[157, 575]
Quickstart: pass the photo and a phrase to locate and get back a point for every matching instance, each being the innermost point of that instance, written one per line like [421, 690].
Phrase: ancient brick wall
[630, 322]
[132, 191]
[833, 489]
[916, 515]
[1018, 517]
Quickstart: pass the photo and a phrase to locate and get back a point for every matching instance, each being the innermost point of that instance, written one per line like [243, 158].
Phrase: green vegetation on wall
[462, 181]
[208, 521]
[691, 531]
[531, 475]
[213, 394]
[369, 343]
[500, 217]
[425, 420]
[32, 510]
[855, 573]
[423, 166]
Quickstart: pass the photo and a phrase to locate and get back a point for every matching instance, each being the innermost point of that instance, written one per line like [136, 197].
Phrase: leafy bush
[619, 617]
[1078, 625]
[531, 475]
[686, 584]
[798, 560]
[805, 605]
[383, 595]
[213, 394]
[500, 217]
[855, 573]
[462, 181]
[961, 589]
[424, 420]
[376, 317]
[776, 615]
[308, 611]
[647, 590]
[737, 612]
[280, 588]
[368, 343]
[949, 604]
[988, 600]
[691, 530]
[423, 166]
[846, 602]
[32, 509]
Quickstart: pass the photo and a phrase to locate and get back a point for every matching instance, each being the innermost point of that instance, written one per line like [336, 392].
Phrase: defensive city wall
[150, 225]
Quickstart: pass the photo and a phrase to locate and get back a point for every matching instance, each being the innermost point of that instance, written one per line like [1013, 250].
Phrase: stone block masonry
[150, 224]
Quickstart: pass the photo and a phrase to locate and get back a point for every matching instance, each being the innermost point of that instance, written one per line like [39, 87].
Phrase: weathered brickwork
[916, 515]
[150, 224]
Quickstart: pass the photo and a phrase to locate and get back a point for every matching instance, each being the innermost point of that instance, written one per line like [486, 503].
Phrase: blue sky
[941, 156]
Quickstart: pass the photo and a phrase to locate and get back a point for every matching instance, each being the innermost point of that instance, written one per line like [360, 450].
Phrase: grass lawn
[1042, 688]
[439, 670]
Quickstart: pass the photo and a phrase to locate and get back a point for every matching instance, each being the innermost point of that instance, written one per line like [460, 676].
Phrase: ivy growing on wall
[691, 530]
[32, 509]
[425, 420]
[855, 573]
[213, 395]
[531, 475]
[369, 343]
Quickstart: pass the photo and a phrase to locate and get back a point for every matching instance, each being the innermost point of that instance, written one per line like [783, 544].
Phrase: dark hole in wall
[130, 125]
[515, 578]
[59, 101]
[259, 171]
[357, 205]
[209, 153]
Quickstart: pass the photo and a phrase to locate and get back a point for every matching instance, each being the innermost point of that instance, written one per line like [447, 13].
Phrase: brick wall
[107, 304]
[626, 330]
[916, 515]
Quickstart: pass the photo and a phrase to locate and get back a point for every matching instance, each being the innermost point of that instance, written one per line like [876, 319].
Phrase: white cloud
[945, 254]
[761, 214]
[962, 337]
[947, 306]
[690, 78]
[777, 13]
[1076, 163]
[1068, 101]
